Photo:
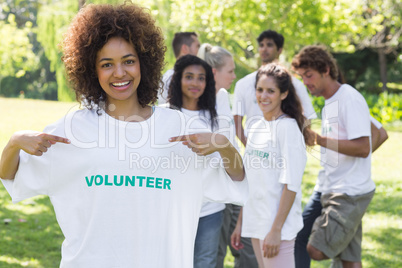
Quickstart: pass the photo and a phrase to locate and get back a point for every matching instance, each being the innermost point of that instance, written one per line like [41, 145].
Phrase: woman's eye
[106, 65]
[130, 61]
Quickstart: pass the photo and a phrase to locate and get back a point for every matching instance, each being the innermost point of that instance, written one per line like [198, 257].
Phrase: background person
[275, 159]
[344, 186]
[223, 67]
[192, 91]
[270, 46]
[184, 43]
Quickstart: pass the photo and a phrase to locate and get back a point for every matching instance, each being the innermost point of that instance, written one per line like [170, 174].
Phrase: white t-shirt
[204, 118]
[245, 101]
[124, 196]
[162, 96]
[275, 155]
[345, 116]
[225, 116]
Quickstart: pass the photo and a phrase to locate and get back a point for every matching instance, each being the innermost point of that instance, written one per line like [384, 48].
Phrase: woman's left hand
[203, 143]
[271, 244]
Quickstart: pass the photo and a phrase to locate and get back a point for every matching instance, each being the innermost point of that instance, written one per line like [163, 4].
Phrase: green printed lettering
[266, 155]
[150, 182]
[130, 180]
[120, 183]
[89, 182]
[100, 181]
[166, 184]
[141, 179]
[107, 183]
[158, 183]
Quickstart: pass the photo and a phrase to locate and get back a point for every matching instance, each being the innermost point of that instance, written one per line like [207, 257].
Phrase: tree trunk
[382, 59]
[81, 3]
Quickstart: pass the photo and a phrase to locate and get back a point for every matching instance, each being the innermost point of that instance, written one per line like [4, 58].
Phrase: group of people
[139, 185]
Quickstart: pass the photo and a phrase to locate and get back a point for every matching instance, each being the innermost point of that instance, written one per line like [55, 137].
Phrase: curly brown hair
[317, 58]
[92, 28]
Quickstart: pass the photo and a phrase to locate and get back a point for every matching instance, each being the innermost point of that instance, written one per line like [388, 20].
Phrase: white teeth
[265, 102]
[120, 84]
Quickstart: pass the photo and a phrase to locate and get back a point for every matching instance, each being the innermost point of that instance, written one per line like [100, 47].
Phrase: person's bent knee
[315, 254]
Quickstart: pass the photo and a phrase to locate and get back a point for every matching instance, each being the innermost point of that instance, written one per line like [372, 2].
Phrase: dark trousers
[245, 257]
[311, 211]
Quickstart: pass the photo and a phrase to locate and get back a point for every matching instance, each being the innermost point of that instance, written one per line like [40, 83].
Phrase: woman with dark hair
[192, 88]
[192, 91]
[125, 190]
[275, 159]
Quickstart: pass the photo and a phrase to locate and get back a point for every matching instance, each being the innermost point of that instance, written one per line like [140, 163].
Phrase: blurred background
[363, 35]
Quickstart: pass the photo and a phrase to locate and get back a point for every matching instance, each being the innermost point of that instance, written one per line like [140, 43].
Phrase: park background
[364, 36]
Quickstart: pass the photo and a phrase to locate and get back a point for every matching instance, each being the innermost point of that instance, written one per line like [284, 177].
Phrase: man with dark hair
[270, 46]
[344, 186]
[183, 43]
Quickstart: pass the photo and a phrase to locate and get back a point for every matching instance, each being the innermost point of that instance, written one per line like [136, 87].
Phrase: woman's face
[118, 70]
[269, 97]
[225, 75]
[193, 82]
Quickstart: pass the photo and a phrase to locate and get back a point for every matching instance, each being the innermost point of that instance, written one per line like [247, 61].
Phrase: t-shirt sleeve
[32, 177]
[219, 187]
[293, 153]
[375, 122]
[356, 116]
[301, 91]
[34, 172]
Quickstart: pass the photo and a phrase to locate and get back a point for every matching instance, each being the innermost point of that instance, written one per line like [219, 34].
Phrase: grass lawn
[33, 238]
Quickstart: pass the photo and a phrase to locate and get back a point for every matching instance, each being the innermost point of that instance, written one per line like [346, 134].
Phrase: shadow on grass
[30, 236]
[389, 255]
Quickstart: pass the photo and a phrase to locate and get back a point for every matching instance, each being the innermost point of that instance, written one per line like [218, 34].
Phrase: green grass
[36, 240]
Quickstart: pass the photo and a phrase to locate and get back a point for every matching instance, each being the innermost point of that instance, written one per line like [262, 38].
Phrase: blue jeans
[207, 240]
[311, 211]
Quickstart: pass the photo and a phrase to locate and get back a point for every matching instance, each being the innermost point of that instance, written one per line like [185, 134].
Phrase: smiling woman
[136, 28]
[114, 55]
[119, 74]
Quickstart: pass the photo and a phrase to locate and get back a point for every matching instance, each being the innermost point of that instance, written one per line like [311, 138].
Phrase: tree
[16, 54]
[236, 24]
[52, 22]
[382, 31]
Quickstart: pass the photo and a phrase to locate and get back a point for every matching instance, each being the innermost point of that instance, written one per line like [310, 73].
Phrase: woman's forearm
[285, 204]
[231, 158]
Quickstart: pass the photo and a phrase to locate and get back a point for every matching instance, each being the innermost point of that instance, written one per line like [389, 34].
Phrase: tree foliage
[52, 22]
[345, 26]
[16, 56]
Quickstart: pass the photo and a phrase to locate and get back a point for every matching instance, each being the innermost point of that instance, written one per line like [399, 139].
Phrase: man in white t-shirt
[183, 43]
[344, 186]
[270, 45]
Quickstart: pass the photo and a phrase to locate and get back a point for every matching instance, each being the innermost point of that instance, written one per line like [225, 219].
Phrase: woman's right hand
[33, 142]
[235, 238]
